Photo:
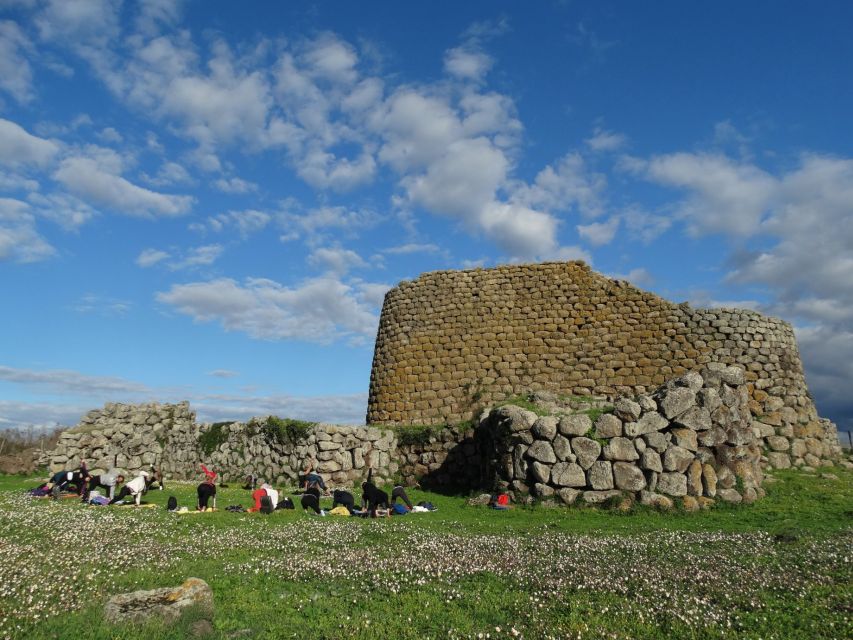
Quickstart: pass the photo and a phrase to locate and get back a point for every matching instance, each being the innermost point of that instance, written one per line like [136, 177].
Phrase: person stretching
[135, 488]
[343, 498]
[373, 498]
[399, 492]
[108, 481]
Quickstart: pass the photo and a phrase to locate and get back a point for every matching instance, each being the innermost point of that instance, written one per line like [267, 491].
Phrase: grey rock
[545, 428]
[650, 460]
[733, 375]
[518, 418]
[597, 497]
[676, 458]
[542, 451]
[649, 423]
[540, 472]
[651, 499]
[566, 474]
[628, 477]
[543, 490]
[730, 495]
[709, 480]
[685, 438]
[600, 475]
[575, 425]
[167, 604]
[778, 443]
[620, 449]
[695, 418]
[672, 484]
[694, 478]
[647, 403]
[627, 409]
[608, 426]
[779, 460]
[586, 450]
[657, 441]
[709, 399]
[676, 401]
[568, 496]
[562, 448]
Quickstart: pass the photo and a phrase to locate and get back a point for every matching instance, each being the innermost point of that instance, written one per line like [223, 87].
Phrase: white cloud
[81, 22]
[16, 76]
[724, 196]
[150, 257]
[96, 182]
[604, 141]
[17, 147]
[235, 185]
[223, 373]
[170, 173]
[569, 184]
[467, 63]
[64, 209]
[108, 134]
[316, 221]
[246, 222]
[69, 382]
[176, 260]
[336, 260]
[319, 310]
[101, 305]
[19, 239]
[599, 233]
[412, 247]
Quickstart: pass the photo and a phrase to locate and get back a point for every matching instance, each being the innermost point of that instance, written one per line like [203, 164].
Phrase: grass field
[781, 568]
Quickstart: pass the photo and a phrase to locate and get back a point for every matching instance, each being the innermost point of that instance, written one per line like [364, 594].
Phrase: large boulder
[628, 477]
[587, 451]
[167, 604]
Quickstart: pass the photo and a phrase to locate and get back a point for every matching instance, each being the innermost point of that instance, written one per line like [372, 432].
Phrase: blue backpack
[399, 509]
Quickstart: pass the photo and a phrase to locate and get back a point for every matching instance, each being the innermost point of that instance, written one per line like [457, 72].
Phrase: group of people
[374, 501]
[82, 483]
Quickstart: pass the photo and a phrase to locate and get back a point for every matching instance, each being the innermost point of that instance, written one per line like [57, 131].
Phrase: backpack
[287, 503]
[266, 505]
[399, 509]
[172, 504]
[427, 505]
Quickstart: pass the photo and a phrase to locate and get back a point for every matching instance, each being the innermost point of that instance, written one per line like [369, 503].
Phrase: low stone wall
[692, 438]
[131, 437]
[451, 458]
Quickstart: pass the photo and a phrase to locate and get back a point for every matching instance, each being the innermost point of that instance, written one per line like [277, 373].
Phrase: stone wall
[134, 437]
[691, 439]
[453, 342]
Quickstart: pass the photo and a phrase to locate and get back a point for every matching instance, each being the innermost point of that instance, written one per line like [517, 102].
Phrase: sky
[208, 200]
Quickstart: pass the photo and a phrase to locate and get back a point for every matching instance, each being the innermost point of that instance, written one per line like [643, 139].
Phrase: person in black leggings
[311, 500]
[399, 492]
[206, 490]
[372, 498]
[343, 498]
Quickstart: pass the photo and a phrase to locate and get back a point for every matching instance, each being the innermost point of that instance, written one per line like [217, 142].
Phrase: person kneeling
[135, 488]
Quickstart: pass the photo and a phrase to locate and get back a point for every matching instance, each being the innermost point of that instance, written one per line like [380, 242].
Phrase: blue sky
[208, 200]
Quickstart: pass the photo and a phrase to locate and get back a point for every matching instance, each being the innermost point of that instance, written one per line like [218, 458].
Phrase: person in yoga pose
[344, 499]
[399, 492]
[136, 488]
[107, 481]
[372, 497]
[207, 489]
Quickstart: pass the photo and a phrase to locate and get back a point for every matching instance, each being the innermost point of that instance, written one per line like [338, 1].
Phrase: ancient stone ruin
[635, 395]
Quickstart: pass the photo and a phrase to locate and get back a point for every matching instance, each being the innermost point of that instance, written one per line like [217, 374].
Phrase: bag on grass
[172, 504]
[266, 505]
[399, 509]
[287, 503]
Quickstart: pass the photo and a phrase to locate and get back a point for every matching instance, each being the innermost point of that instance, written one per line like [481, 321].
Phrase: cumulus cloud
[16, 76]
[599, 233]
[336, 260]
[67, 382]
[150, 257]
[246, 222]
[321, 310]
[412, 247]
[19, 239]
[605, 141]
[97, 182]
[235, 185]
[467, 62]
[170, 173]
[176, 260]
[17, 147]
[724, 196]
[569, 184]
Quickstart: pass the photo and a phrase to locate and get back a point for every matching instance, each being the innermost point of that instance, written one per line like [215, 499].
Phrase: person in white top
[135, 488]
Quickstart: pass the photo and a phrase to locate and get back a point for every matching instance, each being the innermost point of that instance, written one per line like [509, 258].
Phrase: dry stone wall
[135, 437]
[691, 439]
[453, 342]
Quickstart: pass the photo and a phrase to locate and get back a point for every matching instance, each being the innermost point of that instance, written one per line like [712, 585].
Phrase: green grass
[778, 568]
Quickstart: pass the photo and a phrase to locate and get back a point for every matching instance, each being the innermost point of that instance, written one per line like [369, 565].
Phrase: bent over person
[107, 481]
[135, 488]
